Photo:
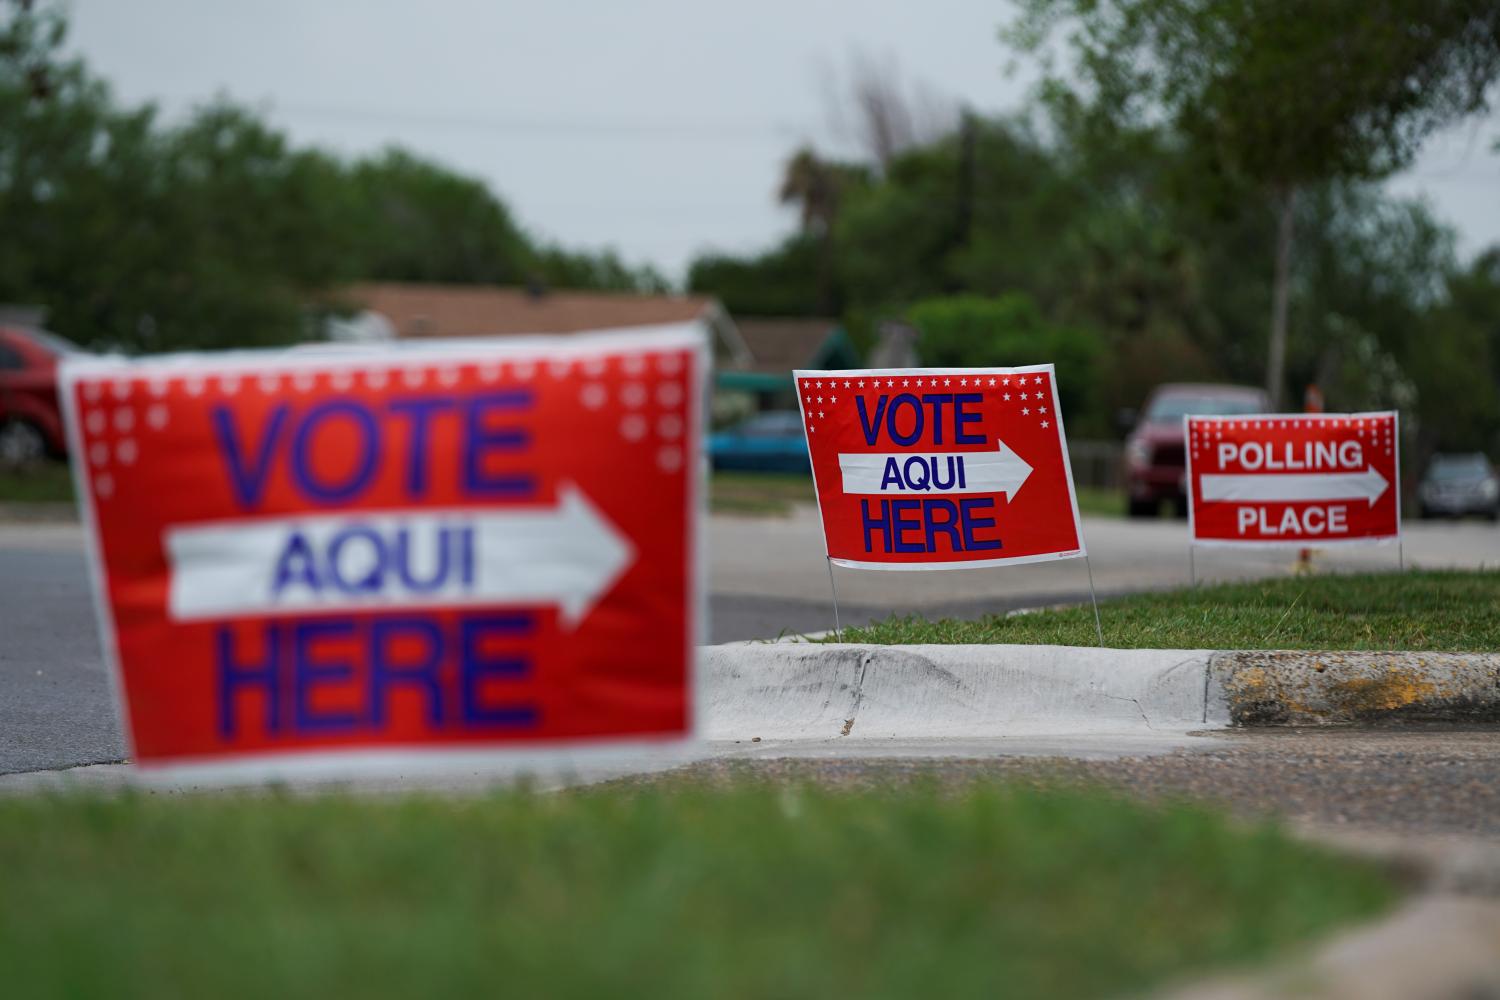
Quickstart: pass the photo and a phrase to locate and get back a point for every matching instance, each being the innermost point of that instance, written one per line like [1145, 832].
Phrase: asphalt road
[766, 579]
[56, 708]
[55, 704]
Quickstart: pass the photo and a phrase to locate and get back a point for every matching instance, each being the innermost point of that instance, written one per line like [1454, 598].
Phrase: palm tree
[816, 186]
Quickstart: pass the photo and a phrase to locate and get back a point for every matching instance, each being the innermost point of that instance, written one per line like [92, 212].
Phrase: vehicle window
[10, 360]
[1460, 467]
[1176, 407]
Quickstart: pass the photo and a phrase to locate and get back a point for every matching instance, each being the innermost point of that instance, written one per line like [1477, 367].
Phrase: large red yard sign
[940, 468]
[467, 546]
[1294, 479]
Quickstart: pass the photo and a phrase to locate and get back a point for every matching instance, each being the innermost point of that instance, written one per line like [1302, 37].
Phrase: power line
[647, 128]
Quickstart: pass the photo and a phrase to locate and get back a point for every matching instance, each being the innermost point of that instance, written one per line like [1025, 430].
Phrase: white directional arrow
[998, 471]
[567, 555]
[1368, 485]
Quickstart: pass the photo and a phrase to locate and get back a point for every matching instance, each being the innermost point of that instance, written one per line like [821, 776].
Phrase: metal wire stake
[838, 632]
[1192, 567]
[1098, 628]
[1400, 553]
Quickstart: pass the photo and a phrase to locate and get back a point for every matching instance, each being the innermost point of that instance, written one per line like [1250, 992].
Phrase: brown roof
[423, 310]
[779, 345]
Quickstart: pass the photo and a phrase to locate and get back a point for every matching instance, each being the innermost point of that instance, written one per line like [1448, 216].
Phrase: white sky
[657, 127]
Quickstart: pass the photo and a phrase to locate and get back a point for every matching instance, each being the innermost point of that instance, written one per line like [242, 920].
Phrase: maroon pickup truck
[1155, 452]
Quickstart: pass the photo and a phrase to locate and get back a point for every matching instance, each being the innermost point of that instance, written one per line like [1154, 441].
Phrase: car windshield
[51, 341]
[1175, 407]
[1460, 467]
[780, 424]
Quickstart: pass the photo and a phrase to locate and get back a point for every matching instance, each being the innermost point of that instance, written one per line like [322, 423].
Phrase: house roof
[779, 345]
[434, 310]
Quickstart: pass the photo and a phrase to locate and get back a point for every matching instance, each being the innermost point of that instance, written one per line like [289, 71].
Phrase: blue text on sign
[291, 436]
[930, 413]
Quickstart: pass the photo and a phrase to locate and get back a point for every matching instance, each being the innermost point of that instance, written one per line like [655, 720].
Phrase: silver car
[1456, 485]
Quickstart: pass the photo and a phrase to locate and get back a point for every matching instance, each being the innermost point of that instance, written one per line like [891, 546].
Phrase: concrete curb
[1288, 688]
[825, 691]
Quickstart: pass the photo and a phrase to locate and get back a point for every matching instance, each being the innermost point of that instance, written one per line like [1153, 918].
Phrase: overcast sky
[657, 127]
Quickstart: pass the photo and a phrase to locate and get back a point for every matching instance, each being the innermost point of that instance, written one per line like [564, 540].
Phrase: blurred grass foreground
[670, 889]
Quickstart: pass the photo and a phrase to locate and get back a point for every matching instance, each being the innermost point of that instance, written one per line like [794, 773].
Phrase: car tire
[1144, 508]
[22, 444]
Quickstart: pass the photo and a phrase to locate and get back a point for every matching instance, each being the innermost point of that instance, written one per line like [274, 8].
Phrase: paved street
[781, 556]
[766, 577]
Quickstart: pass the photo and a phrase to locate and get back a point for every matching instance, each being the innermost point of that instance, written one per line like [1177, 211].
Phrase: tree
[783, 281]
[884, 116]
[965, 331]
[424, 222]
[818, 187]
[1281, 94]
[1456, 365]
[220, 232]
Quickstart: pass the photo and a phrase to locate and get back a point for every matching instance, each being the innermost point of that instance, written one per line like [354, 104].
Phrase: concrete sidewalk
[835, 700]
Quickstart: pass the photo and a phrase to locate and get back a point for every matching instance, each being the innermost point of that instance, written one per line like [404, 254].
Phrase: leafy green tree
[603, 271]
[1280, 95]
[783, 281]
[219, 232]
[964, 331]
[1456, 365]
[420, 221]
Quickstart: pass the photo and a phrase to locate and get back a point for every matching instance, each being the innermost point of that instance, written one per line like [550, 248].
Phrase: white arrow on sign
[1368, 485]
[568, 555]
[998, 471]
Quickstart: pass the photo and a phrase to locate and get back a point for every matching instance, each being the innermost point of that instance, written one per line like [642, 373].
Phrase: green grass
[764, 493]
[1392, 611]
[671, 889]
[48, 482]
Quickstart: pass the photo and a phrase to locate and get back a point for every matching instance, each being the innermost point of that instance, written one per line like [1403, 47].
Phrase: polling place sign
[940, 468]
[1294, 478]
[299, 557]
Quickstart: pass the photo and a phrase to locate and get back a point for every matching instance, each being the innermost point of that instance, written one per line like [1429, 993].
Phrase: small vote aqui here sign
[931, 468]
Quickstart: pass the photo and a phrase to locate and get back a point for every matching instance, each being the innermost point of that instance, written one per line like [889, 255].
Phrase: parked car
[31, 425]
[1456, 485]
[1155, 451]
[767, 442]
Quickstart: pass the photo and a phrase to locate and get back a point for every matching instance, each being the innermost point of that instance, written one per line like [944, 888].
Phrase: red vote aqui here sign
[462, 546]
[940, 468]
[1294, 478]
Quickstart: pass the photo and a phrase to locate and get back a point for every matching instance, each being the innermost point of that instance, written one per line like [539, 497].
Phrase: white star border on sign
[821, 407]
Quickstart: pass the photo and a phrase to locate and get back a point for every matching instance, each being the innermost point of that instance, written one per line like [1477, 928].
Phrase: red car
[1155, 451]
[31, 425]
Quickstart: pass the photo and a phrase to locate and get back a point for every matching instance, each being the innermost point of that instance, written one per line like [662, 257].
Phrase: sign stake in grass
[1094, 599]
[838, 632]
